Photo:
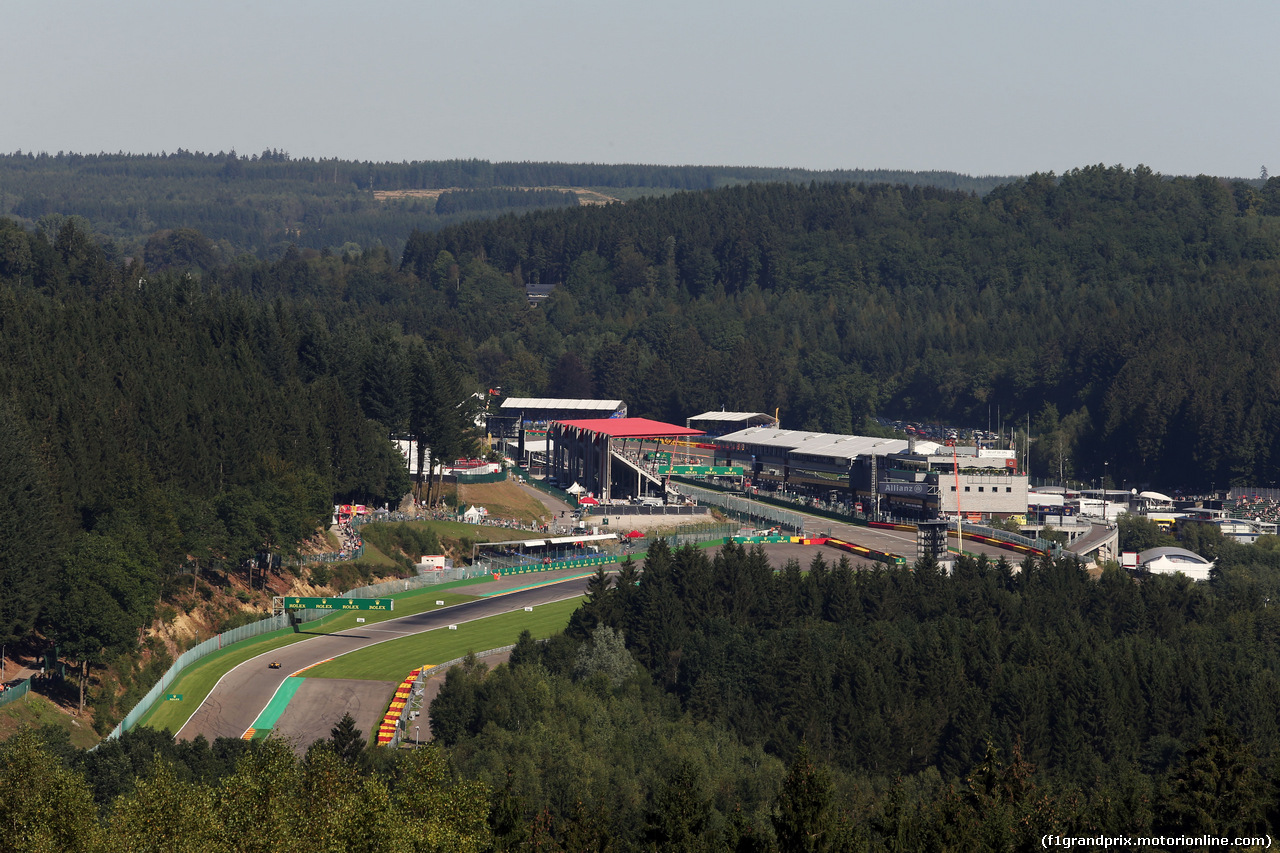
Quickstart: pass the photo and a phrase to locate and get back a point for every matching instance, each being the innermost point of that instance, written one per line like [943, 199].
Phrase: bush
[320, 575]
[238, 618]
[403, 542]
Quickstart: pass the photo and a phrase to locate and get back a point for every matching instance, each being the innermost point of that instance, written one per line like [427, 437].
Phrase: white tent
[474, 514]
[575, 489]
[1170, 560]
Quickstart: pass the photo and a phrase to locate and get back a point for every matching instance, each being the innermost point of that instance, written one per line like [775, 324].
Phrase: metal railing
[1005, 536]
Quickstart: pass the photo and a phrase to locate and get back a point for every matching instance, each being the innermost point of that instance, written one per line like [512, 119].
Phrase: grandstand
[604, 455]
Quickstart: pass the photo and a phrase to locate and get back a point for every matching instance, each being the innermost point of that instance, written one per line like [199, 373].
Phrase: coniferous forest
[711, 703]
[174, 400]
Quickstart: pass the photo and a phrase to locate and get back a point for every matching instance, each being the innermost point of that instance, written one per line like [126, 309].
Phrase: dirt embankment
[585, 196]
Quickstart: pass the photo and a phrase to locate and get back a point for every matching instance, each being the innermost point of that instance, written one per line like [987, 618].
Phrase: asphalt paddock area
[779, 554]
[320, 703]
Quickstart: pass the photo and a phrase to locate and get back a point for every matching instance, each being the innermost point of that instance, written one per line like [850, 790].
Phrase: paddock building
[905, 477]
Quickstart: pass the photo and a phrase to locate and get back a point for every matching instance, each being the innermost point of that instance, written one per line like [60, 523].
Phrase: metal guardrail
[1005, 536]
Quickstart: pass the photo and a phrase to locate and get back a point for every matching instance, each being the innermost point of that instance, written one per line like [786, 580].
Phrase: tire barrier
[390, 725]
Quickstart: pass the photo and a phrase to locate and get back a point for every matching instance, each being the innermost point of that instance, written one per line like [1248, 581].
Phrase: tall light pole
[417, 741]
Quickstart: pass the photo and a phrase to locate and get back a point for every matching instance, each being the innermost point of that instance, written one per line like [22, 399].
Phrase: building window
[980, 488]
[966, 488]
[953, 488]
[1008, 488]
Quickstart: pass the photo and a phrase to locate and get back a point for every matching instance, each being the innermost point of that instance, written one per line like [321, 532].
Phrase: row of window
[993, 488]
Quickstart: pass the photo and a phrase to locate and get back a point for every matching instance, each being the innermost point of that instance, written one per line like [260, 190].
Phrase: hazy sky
[983, 87]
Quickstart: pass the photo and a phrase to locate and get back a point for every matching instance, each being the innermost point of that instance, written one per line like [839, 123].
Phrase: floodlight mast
[955, 467]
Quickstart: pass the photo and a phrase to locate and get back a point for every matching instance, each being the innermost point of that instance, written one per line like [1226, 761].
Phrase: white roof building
[1171, 560]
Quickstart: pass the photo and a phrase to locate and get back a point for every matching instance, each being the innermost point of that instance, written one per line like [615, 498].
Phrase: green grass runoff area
[197, 680]
[394, 659]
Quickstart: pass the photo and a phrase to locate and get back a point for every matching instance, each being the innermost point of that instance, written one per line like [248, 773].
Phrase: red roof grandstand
[631, 428]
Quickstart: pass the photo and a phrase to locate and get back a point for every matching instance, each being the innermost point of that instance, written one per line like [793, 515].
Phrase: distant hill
[261, 204]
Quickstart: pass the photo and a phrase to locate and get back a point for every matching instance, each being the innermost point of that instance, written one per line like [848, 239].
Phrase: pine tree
[803, 815]
[348, 742]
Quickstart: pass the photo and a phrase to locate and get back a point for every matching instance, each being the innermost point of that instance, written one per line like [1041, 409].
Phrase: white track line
[401, 635]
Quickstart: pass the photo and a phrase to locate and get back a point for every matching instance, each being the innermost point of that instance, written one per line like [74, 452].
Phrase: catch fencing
[208, 647]
[247, 632]
[475, 479]
[749, 510]
[713, 533]
[430, 578]
[281, 622]
[1021, 543]
[542, 486]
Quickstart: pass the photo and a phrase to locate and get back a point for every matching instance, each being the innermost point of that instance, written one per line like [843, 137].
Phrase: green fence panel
[15, 692]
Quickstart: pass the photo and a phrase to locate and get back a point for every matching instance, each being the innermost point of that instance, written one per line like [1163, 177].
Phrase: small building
[1171, 560]
[538, 293]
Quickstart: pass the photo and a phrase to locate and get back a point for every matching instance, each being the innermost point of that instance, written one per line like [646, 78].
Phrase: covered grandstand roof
[827, 444]
[555, 403]
[734, 420]
[631, 428]
[555, 540]
[1173, 554]
[729, 416]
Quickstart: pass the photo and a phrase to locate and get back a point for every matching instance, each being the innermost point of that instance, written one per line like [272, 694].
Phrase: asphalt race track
[241, 695]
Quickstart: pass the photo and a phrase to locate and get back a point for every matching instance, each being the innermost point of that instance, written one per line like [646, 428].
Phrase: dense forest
[154, 428]
[1126, 314]
[710, 703]
[261, 204]
[172, 403]
[168, 410]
